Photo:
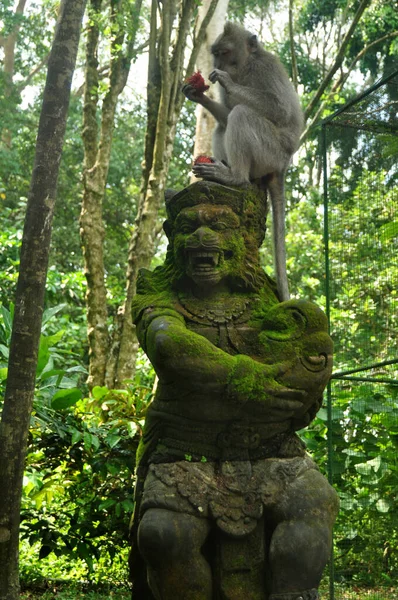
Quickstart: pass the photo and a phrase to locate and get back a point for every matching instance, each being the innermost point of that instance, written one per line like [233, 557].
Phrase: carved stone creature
[228, 504]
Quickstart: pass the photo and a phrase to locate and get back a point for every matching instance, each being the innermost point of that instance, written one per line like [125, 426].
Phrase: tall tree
[8, 43]
[18, 399]
[338, 60]
[124, 20]
[205, 122]
[171, 23]
[22, 57]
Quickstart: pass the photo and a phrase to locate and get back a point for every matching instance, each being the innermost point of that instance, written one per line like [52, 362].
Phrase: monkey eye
[224, 52]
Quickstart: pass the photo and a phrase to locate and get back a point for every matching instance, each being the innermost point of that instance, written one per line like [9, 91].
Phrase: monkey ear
[252, 43]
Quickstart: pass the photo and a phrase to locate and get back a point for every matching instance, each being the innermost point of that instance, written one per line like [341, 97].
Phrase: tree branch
[342, 80]
[292, 48]
[338, 60]
[176, 62]
[21, 86]
[199, 39]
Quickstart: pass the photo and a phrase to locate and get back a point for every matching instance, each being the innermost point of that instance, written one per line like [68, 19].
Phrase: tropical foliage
[78, 485]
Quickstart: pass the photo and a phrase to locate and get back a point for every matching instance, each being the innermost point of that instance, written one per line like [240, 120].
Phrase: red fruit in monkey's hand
[197, 81]
[202, 159]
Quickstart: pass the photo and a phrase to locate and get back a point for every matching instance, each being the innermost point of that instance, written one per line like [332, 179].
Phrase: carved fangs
[204, 260]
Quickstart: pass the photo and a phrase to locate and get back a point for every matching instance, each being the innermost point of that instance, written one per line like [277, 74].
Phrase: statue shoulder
[153, 291]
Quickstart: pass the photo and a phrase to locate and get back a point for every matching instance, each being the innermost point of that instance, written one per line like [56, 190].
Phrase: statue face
[208, 243]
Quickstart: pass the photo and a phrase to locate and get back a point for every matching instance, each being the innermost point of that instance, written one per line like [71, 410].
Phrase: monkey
[259, 123]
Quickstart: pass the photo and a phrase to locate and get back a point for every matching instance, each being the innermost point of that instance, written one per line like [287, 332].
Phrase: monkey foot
[219, 172]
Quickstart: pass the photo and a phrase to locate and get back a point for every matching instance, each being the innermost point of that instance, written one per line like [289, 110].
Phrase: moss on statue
[239, 373]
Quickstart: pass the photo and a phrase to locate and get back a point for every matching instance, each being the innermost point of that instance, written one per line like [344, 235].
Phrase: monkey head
[214, 234]
[232, 49]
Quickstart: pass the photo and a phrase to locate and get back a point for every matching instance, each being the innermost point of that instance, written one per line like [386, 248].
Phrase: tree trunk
[97, 151]
[8, 44]
[292, 48]
[163, 112]
[18, 399]
[205, 122]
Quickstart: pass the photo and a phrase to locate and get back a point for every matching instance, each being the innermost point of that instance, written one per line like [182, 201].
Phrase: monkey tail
[276, 187]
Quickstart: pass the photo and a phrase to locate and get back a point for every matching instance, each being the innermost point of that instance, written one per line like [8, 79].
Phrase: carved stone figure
[228, 504]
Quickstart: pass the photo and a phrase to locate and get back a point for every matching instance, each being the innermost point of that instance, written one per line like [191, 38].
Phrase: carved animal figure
[259, 125]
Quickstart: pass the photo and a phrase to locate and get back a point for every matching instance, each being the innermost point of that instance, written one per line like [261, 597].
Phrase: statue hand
[252, 381]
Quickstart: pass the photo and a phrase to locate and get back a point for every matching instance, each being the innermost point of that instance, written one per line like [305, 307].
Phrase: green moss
[140, 451]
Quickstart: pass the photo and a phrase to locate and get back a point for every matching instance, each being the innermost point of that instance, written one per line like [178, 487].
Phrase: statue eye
[220, 226]
[186, 228]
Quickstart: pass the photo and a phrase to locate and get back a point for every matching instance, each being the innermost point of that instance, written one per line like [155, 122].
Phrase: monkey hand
[192, 93]
[223, 78]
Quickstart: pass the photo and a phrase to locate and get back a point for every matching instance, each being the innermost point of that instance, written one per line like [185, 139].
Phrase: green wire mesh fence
[360, 144]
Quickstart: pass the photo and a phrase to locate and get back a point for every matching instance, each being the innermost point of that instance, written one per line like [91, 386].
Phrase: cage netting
[360, 144]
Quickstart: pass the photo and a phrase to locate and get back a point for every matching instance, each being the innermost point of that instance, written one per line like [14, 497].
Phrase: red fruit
[202, 159]
[197, 81]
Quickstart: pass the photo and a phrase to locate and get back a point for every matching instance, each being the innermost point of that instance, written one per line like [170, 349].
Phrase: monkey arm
[219, 111]
[264, 101]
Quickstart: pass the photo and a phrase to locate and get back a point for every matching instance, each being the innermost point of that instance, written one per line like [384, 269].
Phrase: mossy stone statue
[228, 504]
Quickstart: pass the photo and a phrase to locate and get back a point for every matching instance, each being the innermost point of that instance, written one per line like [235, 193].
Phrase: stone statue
[228, 504]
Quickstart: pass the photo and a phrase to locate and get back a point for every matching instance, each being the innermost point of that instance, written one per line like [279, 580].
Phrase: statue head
[214, 234]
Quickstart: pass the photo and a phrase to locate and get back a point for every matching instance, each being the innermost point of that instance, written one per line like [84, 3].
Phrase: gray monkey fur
[259, 125]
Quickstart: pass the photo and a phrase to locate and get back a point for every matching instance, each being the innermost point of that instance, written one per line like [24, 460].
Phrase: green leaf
[67, 383]
[95, 442]
[113, 469]
[375, 463]
[44, 355]
[128, 505]
[53, 372]
[85, 553]
[3, 374]
[87, 440]
[66, 398]
[50, 312]
[5, 351]
[112, 440]
[77, 369]
[54, 339]
[322, 414]
[389, 231]
[382, 506]
[107, 504]
[359, 406]
[7, 319]
[76, 436]
[99, 392]
[132, 428]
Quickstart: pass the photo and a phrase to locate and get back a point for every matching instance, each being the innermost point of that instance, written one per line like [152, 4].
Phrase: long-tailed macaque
[259, 125]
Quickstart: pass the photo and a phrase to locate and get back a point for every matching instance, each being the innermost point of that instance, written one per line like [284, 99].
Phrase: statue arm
[297, 330]
[180, 355]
